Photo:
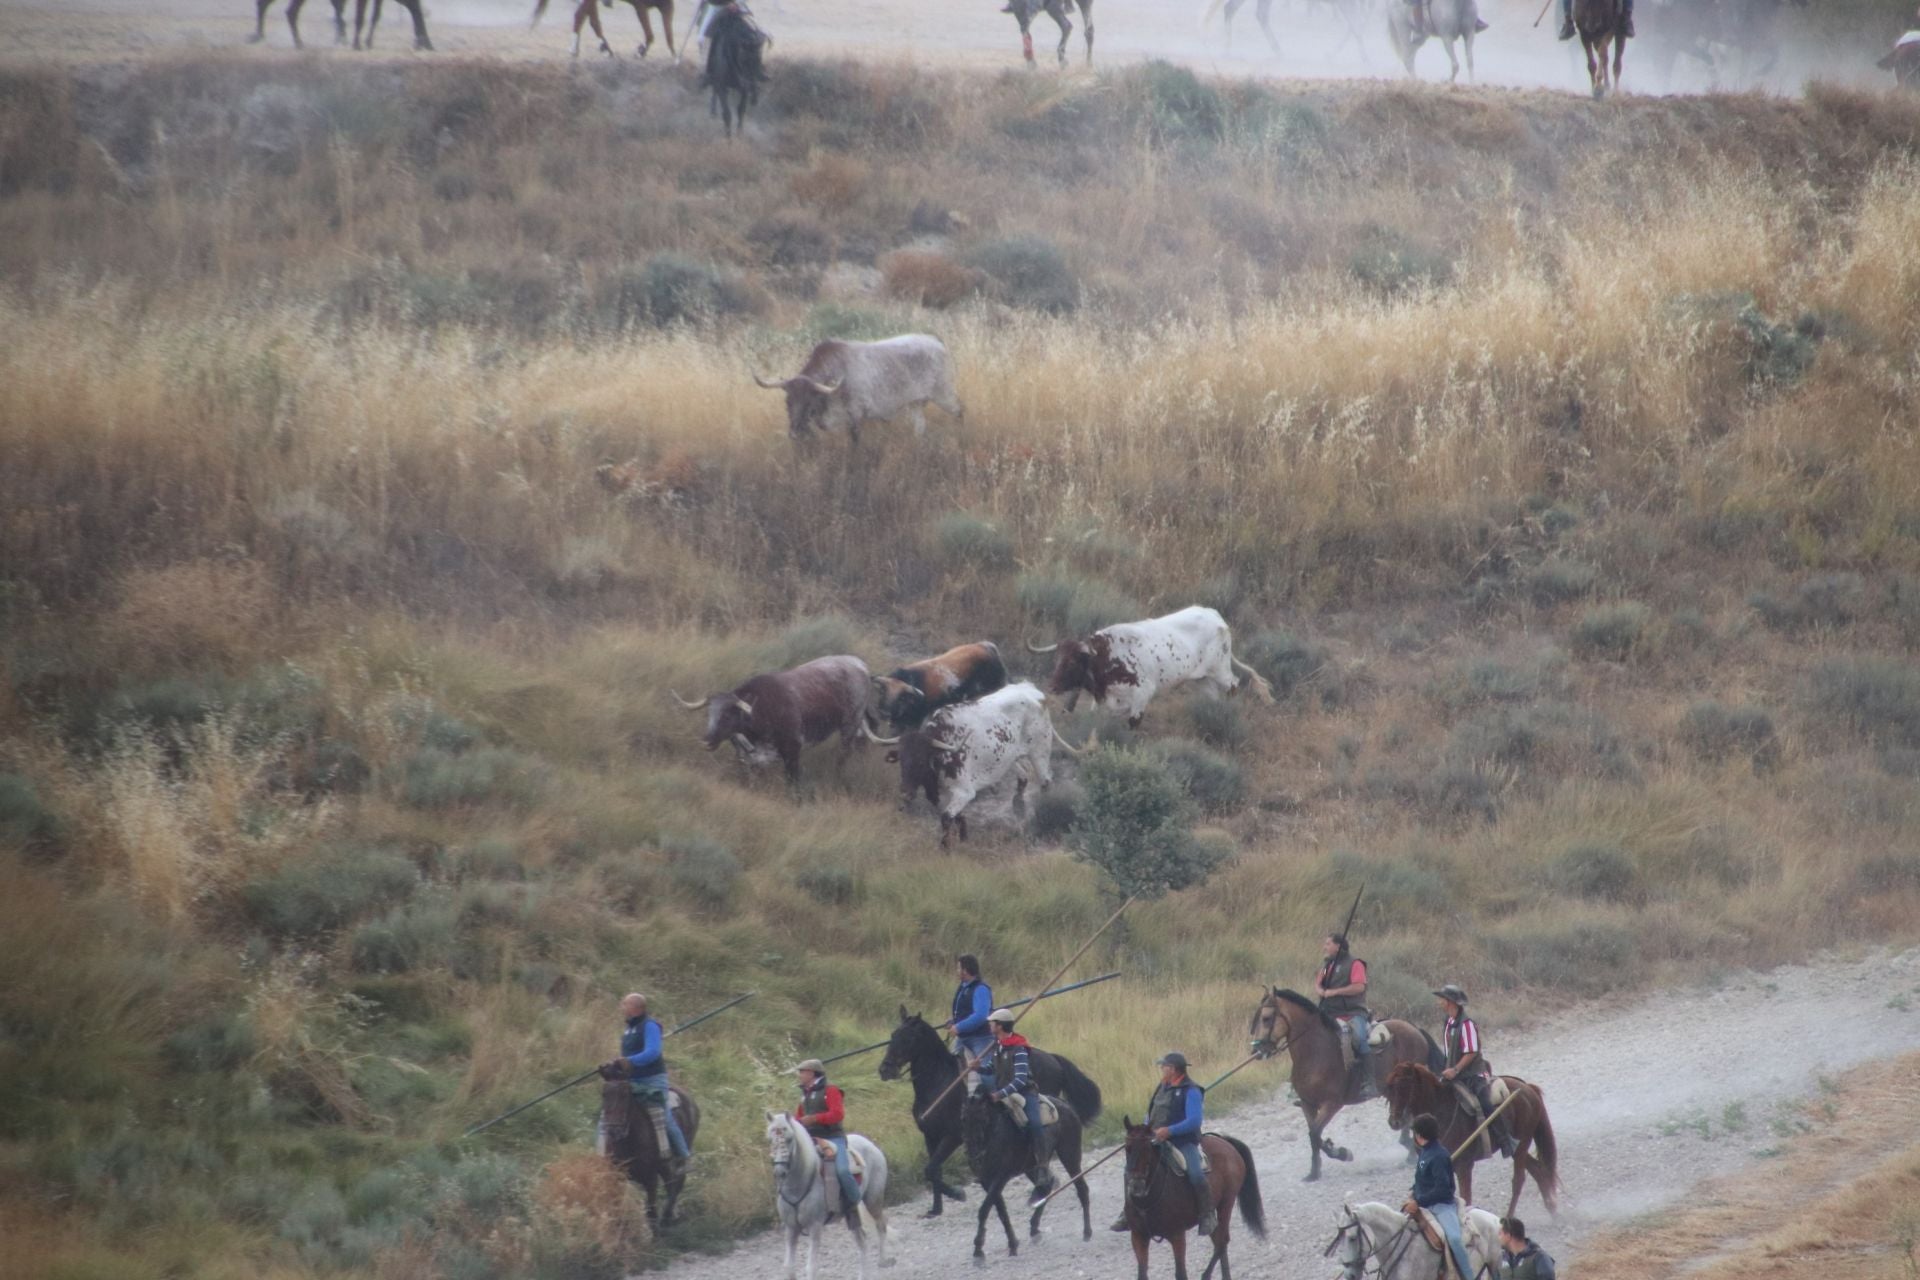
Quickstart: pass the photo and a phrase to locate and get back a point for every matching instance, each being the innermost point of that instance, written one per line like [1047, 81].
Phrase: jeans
[1358, 1025]
[1037, 1134]
[849, 1189]
[1447, 1214]
[657, 1085]
[1190, 1148]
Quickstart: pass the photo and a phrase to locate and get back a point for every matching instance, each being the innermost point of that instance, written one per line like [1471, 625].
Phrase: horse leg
[1026, 35]
[1086, 20]
[1057, 10]
[1469, 43]
[422, 43]
[859, 1236]
[1619, 52]
[1313, 1129]
[646, 29]
[1140, 1255]
[1453, 60]
[813, 1247]
[1177, 1241]
[1263, 10]
[1463, 1174]
[1325, 1117]
[1006, 1219]
[793, 1238]
[339, 22]
[259, 21]
[293, 21]
[666, 27]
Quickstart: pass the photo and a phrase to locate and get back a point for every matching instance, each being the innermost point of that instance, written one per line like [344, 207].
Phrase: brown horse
[1025, 11]
[1601, 23]
[588, 13]
[360, 22]
[1160, 1201]
[1413, 1090]
[632, 1144]
[1288, 1020]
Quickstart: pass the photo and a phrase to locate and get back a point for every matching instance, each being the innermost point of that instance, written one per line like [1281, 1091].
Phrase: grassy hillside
[1556, 464]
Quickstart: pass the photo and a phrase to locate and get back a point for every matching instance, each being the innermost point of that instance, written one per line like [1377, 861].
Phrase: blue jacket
[1181, 1108]
[640, 1046]
[1433, 1177]
[972, 1002]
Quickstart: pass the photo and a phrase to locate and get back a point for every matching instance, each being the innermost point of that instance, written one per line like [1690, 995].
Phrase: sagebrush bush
[672, 289]
[1558, 579]
[1290, 664]
[1602, 872]
[1028, 271]
[1582, 956]
[831, 886]
[962, 538]
[1826, 600]
[415, 936]
[1217, 722]
[1173, 104]
[1136, 825]
[1612, 631]
[1716, 731]
[705, 871]
[438, 779]
[1075, 605]
[1390, 264]
[1490, 679]
[792, 238]
[1215, 782]
[1877, 697]
[1400, 887]
[329, 888]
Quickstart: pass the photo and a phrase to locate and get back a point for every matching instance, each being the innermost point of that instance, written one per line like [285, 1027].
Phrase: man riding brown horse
[1342, 988]
[1466, 1064]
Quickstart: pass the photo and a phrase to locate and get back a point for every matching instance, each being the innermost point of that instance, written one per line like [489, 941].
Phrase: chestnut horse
[1290, 1021]
[1601, 23]
[1025, 11]
[360, 23]
[588, 14]
[1160, 1203]
[1413, 1090]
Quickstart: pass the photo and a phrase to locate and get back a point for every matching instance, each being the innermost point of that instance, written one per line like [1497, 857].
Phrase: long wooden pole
[1543, 12]
[1504, 1104]
[973, 1060]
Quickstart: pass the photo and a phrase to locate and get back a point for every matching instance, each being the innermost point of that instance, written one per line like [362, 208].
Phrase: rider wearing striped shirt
[1012, 1064]
[1466, 1063]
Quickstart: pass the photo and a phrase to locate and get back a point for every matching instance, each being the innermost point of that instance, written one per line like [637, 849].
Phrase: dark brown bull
[907, 695]
[776, 714]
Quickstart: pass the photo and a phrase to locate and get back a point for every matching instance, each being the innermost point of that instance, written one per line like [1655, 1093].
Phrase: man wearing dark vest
[644, 1065]
[823, 1112]
[1521, 1258]
[1342, 988]
[1465, 1062]
[972, 1033]
[1175, 1115]
[1011, 1064]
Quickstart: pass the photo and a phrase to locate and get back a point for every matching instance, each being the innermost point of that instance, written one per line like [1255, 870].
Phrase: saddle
[1177, 1159]
[828, 1155]
[1437, 1241]
[1497, 1091]
[1016, 1106]
[1377, 1039]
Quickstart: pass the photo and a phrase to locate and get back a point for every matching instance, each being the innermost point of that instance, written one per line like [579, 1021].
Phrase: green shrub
[1029, 271]
[1558, 579]
[831, 886]
[1217, 722]
[221, 1042]
[1397, 888]
[808, 638]
[1174, 105]
[328, 889]
[1779, 354]
[415, 936]
[961, 538]
[1289, 663]
[489, 858]
[1585, 958]
[1715, 732]
[1214, 782]
[1075, 606]
[437, 779]
[837, 320]
[704, 870]
[25, 823]
[1488, 679]
[1611, 631]
[1553, 737]
[1055, 812]
[1603, 872]
[1826, 601]
[1135, 826]
[1877, 697]
[1888, 873]
[1447, 789]
[314, 1221]
[672, 289]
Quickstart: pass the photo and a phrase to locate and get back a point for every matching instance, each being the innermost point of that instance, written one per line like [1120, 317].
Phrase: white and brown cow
[773, 716]
[846, 384]
[1124, 665]
[908, 695]
[962, 750]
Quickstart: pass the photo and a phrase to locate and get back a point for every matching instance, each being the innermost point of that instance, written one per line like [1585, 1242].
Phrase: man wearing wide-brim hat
[1465, 1061]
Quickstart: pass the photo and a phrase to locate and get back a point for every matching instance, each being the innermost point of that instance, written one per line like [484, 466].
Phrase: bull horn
[691, 706]
[1034, 648]
[770, 386]
[824, 388]
[746, 708]
[867, 732]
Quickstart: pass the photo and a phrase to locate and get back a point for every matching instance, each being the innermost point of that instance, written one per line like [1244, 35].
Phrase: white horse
[1381, 1237]
[806, 1190]
[1447, 21]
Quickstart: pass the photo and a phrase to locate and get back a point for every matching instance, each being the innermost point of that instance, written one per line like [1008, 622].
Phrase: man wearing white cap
[1012, 1065]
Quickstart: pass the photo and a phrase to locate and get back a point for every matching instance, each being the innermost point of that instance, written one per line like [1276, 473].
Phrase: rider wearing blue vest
[972, 1033]
[1433, 1187]
[1175, 1115]
[644, 1064]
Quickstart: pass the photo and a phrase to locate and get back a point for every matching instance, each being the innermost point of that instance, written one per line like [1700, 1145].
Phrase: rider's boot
[1042, 1165]
[1209, 1215]
[1120, 1223]
[1566, 28]
[1627, 25]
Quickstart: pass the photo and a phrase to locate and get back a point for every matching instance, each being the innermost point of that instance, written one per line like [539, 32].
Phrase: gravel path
[1647, 1099]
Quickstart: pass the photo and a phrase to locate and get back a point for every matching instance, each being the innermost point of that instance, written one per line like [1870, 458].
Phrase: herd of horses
[1405, 1069]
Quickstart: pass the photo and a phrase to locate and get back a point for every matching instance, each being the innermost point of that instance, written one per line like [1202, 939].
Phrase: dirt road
[1647, 1100]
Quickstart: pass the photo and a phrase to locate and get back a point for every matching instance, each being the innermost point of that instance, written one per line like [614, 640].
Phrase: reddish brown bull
[908, 695]
[773, 716]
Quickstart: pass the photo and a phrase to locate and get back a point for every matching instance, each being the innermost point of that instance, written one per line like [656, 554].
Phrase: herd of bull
[958, 726]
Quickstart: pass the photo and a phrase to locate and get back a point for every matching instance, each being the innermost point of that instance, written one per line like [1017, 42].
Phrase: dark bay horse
[998, 1152]
[734, 67]
[630, 1141]
[918, 1050]
[1160, 1201]
[1025, 11]
[588, 14]
[1412, 1089]
[1288, 1020]
[1601, 24]
[360, 22]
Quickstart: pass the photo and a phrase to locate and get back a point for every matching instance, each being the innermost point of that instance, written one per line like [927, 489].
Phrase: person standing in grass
[972, 1033]
[644, 1064]
[1521, 1258]
[823, 1113]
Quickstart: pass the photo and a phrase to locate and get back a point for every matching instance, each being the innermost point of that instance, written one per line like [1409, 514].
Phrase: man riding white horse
[823, 1112]
[1342, 988]
[1433, 1189]
[1467, 1064]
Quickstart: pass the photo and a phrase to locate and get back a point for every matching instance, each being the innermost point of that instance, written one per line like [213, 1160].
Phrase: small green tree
[1136, 826]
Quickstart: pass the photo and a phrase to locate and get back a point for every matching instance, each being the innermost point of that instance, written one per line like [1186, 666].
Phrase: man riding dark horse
[972, 1033]
[644, 1065]
[1466, 1064]
[1011, 1064]
[1566, 19]
[1342, 988]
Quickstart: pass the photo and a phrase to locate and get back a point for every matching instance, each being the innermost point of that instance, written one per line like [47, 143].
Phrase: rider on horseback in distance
[823, 1113]
[1011, 1064]
[645, 1066]
[1342, 988]
[972, 1035]
[1566, 18]
[1466, 1063]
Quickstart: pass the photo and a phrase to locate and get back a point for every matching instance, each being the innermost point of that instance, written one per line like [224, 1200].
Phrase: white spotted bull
[1124, 665]
[846, 384]
[962, 750]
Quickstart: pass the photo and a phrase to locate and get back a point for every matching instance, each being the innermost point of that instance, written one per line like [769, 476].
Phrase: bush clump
[1488, 679]
[1217, 722]
[1028, 271]
[1390, 264]
[1289, 662]
[962, 538]
[1825, 601]
[1612, 632]
[1175, 105]
[1877, 697]
[1055, 812]
[1557, 579]
[792, 239]
[1715, 731]
[328, 889]
[831, 886]
[440, 779]
[672, 289]
[415, 936]
[1399, 887]
[1075, 606]
[1602, 872]
[1136, 826]
[1585, 957]
[704, 870]
[805, 639]
[1214, 781]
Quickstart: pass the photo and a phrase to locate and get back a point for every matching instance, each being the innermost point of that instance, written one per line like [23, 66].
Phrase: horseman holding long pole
[643, 1064]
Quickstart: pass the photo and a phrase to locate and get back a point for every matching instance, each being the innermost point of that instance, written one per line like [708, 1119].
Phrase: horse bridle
[1280, 1048]
[781, 1163]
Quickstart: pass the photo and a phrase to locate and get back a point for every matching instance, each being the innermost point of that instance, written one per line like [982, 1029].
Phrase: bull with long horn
[846, 384]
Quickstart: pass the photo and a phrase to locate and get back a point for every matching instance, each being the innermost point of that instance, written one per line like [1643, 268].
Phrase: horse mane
[1326, 1019]
[1436, 1057]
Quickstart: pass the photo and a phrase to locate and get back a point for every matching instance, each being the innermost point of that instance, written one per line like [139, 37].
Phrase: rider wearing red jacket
[823, 1113]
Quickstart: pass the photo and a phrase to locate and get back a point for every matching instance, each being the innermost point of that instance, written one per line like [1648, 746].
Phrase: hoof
[932, 1213]
[979, 1259]
[1312, 1177]
[1341, 1153]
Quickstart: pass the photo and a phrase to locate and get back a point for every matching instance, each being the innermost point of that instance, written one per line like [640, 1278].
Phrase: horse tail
[1543, 1142]
[1082, 1094]
[1252, 1212]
